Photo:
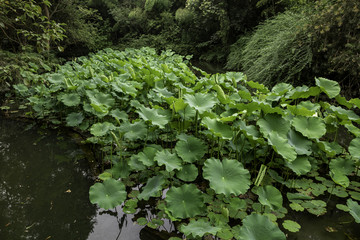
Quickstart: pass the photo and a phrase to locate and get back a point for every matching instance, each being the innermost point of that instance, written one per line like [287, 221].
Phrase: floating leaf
[74, 119]
[269, 196]
[354, 209]
[311, 127]
[133, 131]
[227, 177]
[170, 160]
[218, 128]
[291, 226]
[202, 102]
[152, 187]
[188, 173]
[108, 194]
[198, 228]
[100, 129]
[190, 148]
[300, 165]
[185, 201]
[259, 227]
[316, 207]
[331, 88]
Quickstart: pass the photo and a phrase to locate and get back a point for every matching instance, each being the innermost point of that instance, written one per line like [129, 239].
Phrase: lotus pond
[217, 154]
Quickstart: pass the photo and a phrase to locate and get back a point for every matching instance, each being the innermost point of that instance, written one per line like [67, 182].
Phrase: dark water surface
[44, 184]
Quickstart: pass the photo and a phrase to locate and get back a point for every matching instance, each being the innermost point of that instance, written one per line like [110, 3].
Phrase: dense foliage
[220, 154]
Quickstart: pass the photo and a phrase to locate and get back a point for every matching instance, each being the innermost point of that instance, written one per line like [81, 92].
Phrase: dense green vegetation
[228, 152]
[217, 147]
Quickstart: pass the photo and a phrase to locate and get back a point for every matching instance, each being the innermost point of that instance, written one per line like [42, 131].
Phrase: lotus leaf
[269, 196]
[188, 173]
[120, 169]
[282, 146]
[218, 128]
[301, 144]
[291, 226]
[56, 78]
[355, 101]
[201, 102]
[316, 207]
[355, 195]
[153, 115]
[330, 148]
[354, 148]
[74, 119]
[135, 164]
[116, 113]
[345, 114]
[227, 177]
[354, 130]
[354, 209]
[198, 228]
[134, 131]
[100, 98]
[170, 160]
[108, 194]
[259, 227]
[101, 129]
[331, 88]
[273, 122]
[300, 165]
[311, 127]
[152, 187]
[70, 99]
[296, 207]
[339, 168]
[147, 156]
[185, 201]
[281, 88]
[190, 149]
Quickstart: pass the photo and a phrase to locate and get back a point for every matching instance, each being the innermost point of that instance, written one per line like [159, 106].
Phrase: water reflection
[43, 189]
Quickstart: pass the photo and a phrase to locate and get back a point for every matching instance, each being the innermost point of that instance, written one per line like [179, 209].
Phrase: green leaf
[116, 113]
[153, 115]
[152, 187]
[301, 144]
[188, 173]
[227, 177]
[354, 208]
[108, 194]
[70, 100]
[316, 207]
[198, 228]
[74, 119]
[259, 227]
[185, 201]
[354, 148]
[273, 122]
[147, 156]
[300, 165]
[339, 168]
[218, 128]
[141, 221]
[202, 102]
[281, 146]
[331, 88]
[170, 160]
[134, 131]
[100, 129]
[190, 148]
[311, 127]
[269, 196]
[291, 226]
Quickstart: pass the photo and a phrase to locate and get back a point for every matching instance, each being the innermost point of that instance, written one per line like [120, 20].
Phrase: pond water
[44, 184]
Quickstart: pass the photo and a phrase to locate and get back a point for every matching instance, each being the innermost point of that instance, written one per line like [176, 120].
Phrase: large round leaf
[273, 122]
[74, 119]
[301, 144]
[354, 148]
[188, 173]
[190, 148]
[331, 88]
[199, 228]
[227, 177]
[311, 127]
[154, 115]
[134, 131]
[270, 196]
[70, 99]
[108, 194]
[339, 168]
[185, 201]
[354, 209]
[218, 128]
[147, 156]
[170, 160]
[152, 187]
[259, 227]
[100, 129]
[282, 146]
[301, 165]
[202, 102]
